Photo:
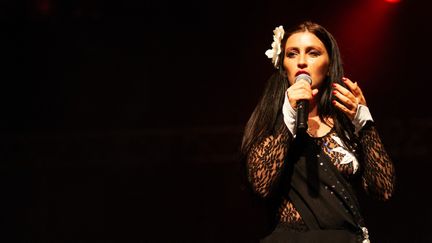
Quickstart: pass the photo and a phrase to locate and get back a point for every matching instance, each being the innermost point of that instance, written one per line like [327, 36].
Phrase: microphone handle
[302, 115]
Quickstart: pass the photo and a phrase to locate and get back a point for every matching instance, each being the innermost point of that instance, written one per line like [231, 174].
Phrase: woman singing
[309, 175]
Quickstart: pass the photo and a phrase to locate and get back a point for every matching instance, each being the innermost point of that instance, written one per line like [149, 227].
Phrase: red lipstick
[301, 72]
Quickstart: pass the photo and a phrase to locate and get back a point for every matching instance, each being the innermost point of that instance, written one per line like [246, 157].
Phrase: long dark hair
[267, 118]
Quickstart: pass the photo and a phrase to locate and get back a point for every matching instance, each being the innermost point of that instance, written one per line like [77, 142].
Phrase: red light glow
[366, 33]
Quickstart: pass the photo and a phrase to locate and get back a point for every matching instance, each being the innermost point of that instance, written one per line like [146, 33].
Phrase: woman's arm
[378, 177]
[265, 163]
[379, 173]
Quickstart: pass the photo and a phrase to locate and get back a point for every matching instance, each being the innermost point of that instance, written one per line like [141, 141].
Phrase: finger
[352, 86]
[301, 85]
[300, 95]
[356, 90]
[302, 81]
[314, 92]
[300, 89]
[344, 109]
[344, 91]
[348, 102]
[294, 100]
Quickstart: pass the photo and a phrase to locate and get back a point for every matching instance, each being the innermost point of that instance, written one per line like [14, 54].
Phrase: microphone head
[303, 76]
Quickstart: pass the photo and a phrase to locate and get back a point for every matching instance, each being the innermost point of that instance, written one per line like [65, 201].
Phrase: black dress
[307, 182]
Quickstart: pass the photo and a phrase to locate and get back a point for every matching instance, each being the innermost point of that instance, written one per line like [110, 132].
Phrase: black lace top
[266, 160]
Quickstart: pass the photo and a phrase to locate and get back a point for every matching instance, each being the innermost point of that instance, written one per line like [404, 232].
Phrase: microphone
[302, 107]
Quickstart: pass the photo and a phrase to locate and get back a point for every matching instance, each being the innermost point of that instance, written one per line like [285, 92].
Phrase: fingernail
[334, 85]
[334, 92]
[334, 102]
[344, 79]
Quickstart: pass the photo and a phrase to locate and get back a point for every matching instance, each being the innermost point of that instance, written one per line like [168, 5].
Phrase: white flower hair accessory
[276, 45]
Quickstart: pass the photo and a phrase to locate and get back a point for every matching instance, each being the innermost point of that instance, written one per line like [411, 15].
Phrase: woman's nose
[301, 62]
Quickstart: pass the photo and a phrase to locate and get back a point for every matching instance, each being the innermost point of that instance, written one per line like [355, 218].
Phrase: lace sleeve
[378, 178]
[265, 161]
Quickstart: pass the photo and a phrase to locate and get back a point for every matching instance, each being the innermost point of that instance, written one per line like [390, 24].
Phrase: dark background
[122, 121]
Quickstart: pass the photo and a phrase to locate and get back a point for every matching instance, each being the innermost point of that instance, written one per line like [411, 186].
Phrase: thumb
[314, 92]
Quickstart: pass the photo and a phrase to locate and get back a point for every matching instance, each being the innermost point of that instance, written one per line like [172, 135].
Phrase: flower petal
[269, 53]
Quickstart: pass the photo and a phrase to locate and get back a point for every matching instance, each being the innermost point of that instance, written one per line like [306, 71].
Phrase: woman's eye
[291, 54]
[314, 53]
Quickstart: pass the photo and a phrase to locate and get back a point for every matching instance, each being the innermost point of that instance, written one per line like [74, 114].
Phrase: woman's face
[305, 53]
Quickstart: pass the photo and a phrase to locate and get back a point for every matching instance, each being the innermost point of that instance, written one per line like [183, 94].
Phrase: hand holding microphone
[299, 94]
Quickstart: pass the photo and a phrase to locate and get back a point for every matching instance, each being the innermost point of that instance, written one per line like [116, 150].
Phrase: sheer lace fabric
[266, 160]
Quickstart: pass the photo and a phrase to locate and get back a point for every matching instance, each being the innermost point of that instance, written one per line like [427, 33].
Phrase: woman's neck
[317, 127]
[313, 108]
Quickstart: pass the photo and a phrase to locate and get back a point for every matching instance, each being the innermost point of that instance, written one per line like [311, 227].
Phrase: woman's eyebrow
[307, 48]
